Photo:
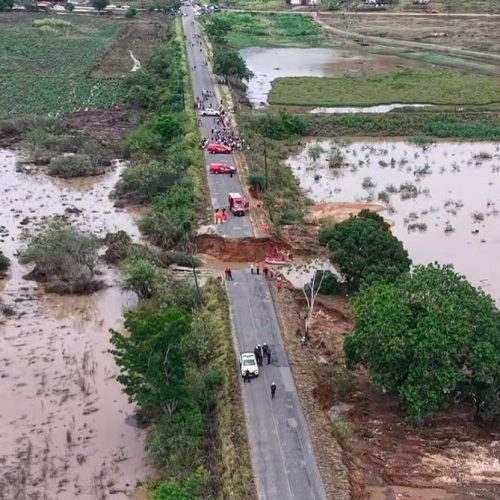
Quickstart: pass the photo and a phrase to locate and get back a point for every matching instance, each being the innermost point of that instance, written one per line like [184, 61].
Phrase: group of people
[227, 137]
[228, 274]
[262, 352]
[268, 273]
[221, 215]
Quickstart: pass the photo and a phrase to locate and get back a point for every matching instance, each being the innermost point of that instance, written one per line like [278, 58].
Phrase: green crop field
[44, 64]
[273, 30]
[425, 86]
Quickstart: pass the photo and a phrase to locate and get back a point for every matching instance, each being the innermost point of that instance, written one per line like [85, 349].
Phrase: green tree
[70, 7]
[364, 249]
[217, 28]
[99, 4]
[431, 339]
[150, 358]
[142, 277]
[6, 4]
[228, 62]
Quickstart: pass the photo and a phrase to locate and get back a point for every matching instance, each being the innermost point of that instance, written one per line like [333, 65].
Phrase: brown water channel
[444, 199]
[66, 429]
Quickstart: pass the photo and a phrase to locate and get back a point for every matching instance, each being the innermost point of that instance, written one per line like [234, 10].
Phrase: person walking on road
[268, 355]
[273, 390]
[229, 274]
[252, 267]
[264, 349]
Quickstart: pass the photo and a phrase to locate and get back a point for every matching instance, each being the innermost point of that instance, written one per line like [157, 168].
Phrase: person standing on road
[264, 348]
[252, 267]
[268, 355]
[229, 274]
[246, 377]
[273, 390]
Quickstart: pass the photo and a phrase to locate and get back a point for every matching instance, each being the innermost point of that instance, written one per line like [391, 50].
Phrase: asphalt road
[220, 185]
[283, 460]
[282, 456]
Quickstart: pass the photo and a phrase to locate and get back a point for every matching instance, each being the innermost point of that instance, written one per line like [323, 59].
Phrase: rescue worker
[257, 268]
[229, 274]
[268, 355]
[246, 377]
[252, 267]
[264, 348]
[224, 215]
[256, 352]
[273, 390]
[265, 270]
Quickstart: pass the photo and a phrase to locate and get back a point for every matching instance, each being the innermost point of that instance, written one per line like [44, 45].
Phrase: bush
[257, 181]
[60, 250]
[4, 262]
[69, 7]
[179, 258]
[143, 181]
[52, 23]
[141, 276]
[131, 12]
[330, 284]
[280, 125]
[291, 217]
[74, 166]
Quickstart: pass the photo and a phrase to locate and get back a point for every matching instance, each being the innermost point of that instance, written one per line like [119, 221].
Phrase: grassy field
[273, 30]
[254, 4]
[405, 86]
[44, 64]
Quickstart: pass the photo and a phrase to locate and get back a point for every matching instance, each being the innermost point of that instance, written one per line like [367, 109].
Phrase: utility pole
[265, 164]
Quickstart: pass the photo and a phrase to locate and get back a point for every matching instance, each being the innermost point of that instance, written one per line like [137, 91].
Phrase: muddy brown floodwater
[66, 428]
[443, 199]
[268, 64]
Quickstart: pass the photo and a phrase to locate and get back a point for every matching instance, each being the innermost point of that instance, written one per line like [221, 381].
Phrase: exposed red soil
[238, 250]
[453, 456]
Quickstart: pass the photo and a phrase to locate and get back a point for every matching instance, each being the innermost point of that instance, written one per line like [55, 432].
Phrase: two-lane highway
[283, 460]
[220, 185]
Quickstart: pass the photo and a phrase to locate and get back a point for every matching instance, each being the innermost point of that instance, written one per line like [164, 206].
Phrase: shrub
[52, 23]
[291, 217]
[4, 262]
[257, 181]
[179, 258]
[143, 181]
[60, 250]
[74, 166]
[131, 12]
[280, 125]
[330, 284]
[69, 6]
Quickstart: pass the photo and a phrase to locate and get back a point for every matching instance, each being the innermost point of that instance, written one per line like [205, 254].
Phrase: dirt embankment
[379, 456]
[238, 250]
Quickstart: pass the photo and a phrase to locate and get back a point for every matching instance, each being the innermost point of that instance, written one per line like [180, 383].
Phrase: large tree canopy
[150, 358]
[365, 250]
[228, 62]
[430, 338]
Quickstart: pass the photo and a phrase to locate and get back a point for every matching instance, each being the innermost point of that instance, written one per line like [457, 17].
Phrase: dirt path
[428, 47]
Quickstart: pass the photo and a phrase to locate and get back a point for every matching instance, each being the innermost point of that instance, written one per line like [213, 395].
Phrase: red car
[218, 148]
[221, 168]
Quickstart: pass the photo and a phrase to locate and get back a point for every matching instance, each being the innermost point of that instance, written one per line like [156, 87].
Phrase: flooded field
[66, 429]
[270, 63]
[444, 199]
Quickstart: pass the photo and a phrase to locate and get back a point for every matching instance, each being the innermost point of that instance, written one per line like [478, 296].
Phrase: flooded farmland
[66, 429]
[444, 198]
[268, 64]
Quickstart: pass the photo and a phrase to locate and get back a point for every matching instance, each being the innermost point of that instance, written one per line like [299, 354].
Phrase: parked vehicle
[237, 204]
[216, 148]
[210, 112]
[221, 168]
[248, 362]
[203, 143]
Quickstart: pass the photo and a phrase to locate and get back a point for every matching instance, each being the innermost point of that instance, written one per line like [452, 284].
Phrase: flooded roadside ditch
[66, 428]
[443, 198]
